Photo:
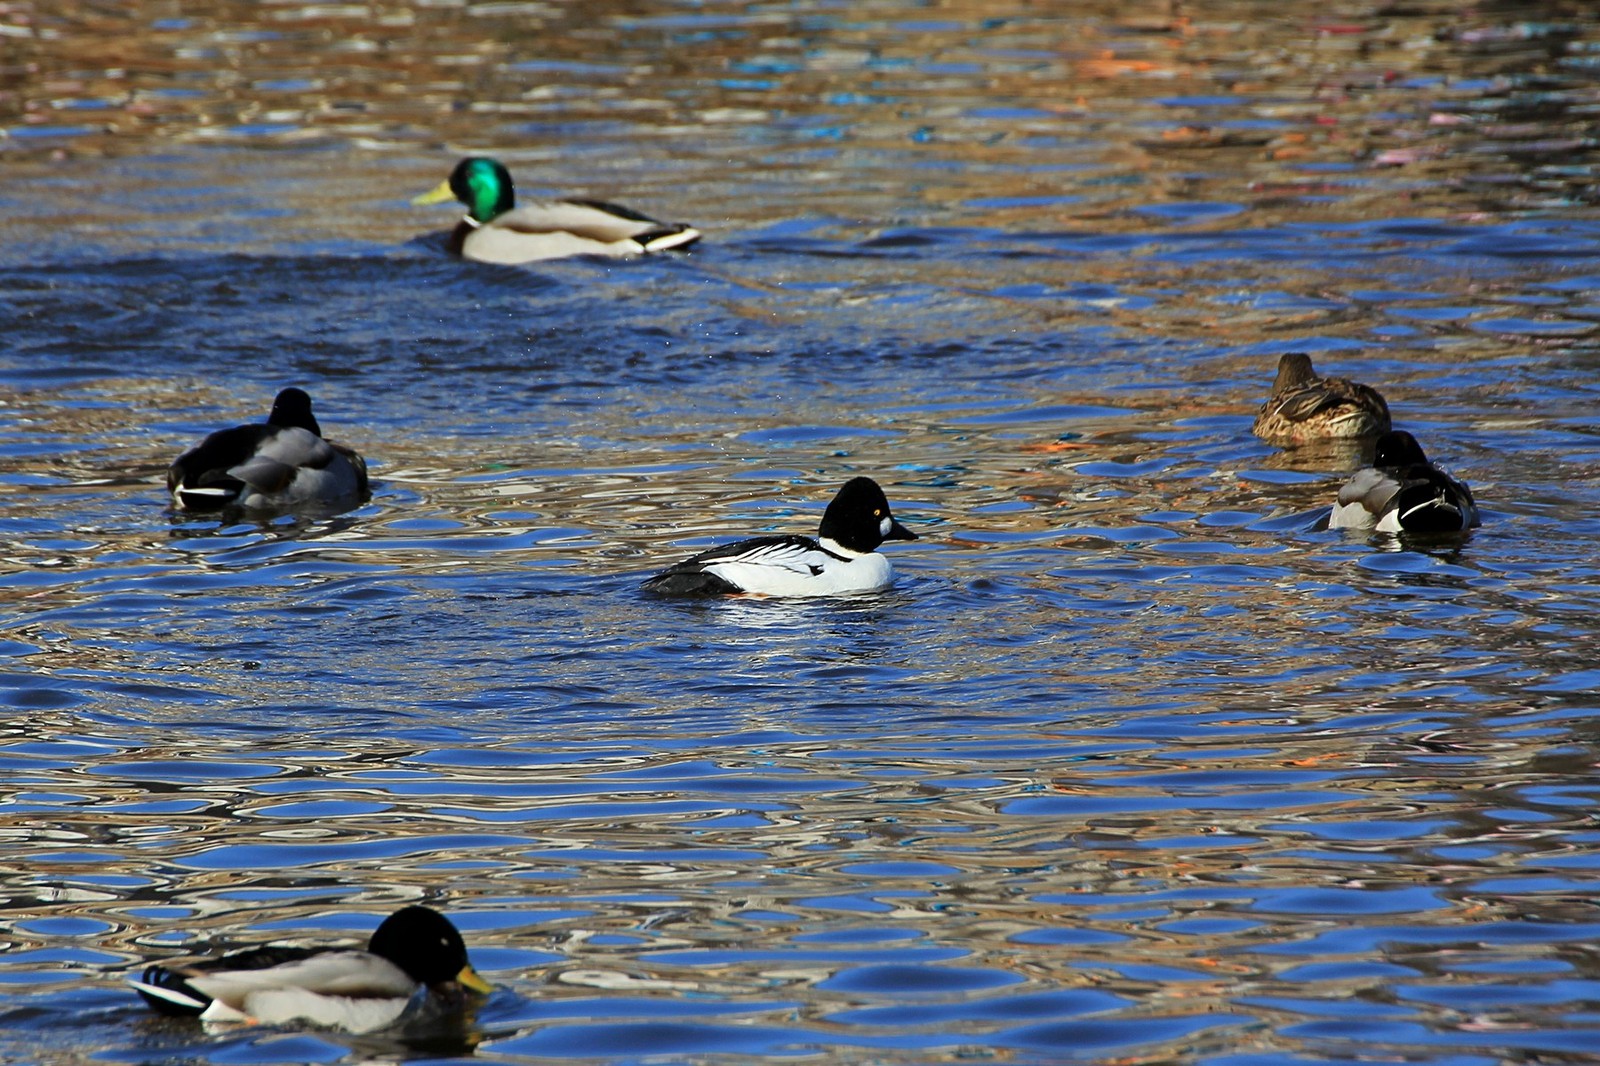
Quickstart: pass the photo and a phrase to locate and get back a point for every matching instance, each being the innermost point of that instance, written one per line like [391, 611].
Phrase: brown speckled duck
[1304, 407]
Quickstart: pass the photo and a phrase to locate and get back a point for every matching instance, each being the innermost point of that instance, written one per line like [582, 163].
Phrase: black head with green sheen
[425, 944]
[479, 182]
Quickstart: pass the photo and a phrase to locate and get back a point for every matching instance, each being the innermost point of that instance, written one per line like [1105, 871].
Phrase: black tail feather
[162, 978]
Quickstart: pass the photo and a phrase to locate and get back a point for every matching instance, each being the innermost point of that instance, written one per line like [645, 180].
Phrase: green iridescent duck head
[480, 183]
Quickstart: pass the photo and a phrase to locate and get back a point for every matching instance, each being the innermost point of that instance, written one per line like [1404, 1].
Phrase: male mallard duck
[842, 558]
[415, 949]
[497, 231]
[1304, 407]
[1402, 491]
[277, 465]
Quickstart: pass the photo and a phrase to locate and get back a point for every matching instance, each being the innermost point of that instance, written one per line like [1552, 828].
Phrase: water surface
[1135, 763]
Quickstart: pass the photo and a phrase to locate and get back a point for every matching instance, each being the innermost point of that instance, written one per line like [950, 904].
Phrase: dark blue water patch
[1002, 1008]
[851, 904]
[1078, 806]
[296, 856]
[858, 935]
[801, 435]
[185, 770]
[40, 800]
[65, 748]
[1198, 778]
[919, 870]
[1326, 1008]
[1362, 970]
[1513, 1044]
[1184, 212]
[1473, 998]
[1515, 966]
[22, 133]
[75, 957]
[512, 961]
[1302, 1059]
[37, 694]
[525, 757]
[1365, 939]
[565, 68]
[655, 807]
[31, 978]
[152, 807]
[1530, 884]
[1136, 469]
[1076, 1038]
[513, 1014]
[656, 1040]
[902, 979]
[65, 927]
[320, 809]
[1050, 413]
[263, 1050]
[900, 956]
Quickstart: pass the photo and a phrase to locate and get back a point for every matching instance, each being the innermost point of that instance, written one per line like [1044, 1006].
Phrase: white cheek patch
[883, 526]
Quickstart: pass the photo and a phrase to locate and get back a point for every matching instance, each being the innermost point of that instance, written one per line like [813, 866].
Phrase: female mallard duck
[842, 558]
[1304, 407]
[414, 950]
[495, 230]
[277, 465]
[1402, 492]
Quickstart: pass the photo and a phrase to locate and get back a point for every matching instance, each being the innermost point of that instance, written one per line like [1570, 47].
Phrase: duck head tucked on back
[279, 465]
[1403, 492]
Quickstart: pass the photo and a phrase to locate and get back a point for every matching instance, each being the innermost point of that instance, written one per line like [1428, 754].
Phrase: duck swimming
[281, 464]
[496, 230]
[1402, 492]
[1304, 407]
[842, 558]
[415, 950]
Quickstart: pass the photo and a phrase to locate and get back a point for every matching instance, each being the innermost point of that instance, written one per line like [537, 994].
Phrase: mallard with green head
[1304, 407]
[496, 230]
[415, 957]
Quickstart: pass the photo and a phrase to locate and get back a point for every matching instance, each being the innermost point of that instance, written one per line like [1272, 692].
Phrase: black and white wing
[760, 564]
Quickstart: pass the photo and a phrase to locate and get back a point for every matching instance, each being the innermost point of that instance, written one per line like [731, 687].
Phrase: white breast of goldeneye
[842, 558]
[778, 566]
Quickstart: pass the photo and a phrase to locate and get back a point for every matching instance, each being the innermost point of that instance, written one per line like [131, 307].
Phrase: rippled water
[1135, 763]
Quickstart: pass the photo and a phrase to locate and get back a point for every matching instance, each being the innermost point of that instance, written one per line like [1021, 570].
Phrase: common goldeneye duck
[1402, 492]
[415, 950]
[1304, 407]
[280, 464]
[496, 230]
[842, 558]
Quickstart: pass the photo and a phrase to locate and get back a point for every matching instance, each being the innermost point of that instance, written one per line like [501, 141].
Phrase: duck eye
[877, 512]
